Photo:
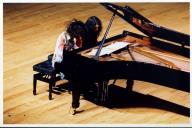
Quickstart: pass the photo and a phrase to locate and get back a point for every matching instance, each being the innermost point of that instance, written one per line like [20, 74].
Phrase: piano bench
[46, 73]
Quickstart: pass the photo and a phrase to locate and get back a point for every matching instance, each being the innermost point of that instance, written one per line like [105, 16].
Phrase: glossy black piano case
[79, 68]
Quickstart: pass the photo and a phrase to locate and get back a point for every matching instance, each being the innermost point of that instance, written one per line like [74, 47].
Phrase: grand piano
[160, 57]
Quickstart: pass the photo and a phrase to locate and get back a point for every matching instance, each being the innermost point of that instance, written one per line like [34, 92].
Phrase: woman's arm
[58, 53]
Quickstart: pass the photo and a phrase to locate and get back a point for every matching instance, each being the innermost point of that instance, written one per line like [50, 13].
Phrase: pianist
[72, 38]
[94, 27]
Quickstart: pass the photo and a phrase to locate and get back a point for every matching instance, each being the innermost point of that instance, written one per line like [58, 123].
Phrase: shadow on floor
[121, 98]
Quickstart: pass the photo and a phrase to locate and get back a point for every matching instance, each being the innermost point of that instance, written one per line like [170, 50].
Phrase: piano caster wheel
[34, 93]
[72, 111]
[129, 85]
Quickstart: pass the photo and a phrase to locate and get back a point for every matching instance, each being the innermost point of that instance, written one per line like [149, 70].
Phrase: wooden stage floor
[29, 35]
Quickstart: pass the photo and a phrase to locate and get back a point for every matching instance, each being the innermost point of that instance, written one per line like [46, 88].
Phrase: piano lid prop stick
[96, 57]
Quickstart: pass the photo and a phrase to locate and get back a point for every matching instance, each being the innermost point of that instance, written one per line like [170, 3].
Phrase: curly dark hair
[93, 24]
[76, 28]
[94, 27]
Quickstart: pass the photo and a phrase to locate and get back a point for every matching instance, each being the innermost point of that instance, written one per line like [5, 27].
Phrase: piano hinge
[125, 33]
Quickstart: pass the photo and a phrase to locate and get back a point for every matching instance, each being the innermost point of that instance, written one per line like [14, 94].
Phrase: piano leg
[77, 89]
[75, 97]
[129, 86]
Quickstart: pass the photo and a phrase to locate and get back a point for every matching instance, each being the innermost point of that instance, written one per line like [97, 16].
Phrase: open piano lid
[146, 26]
